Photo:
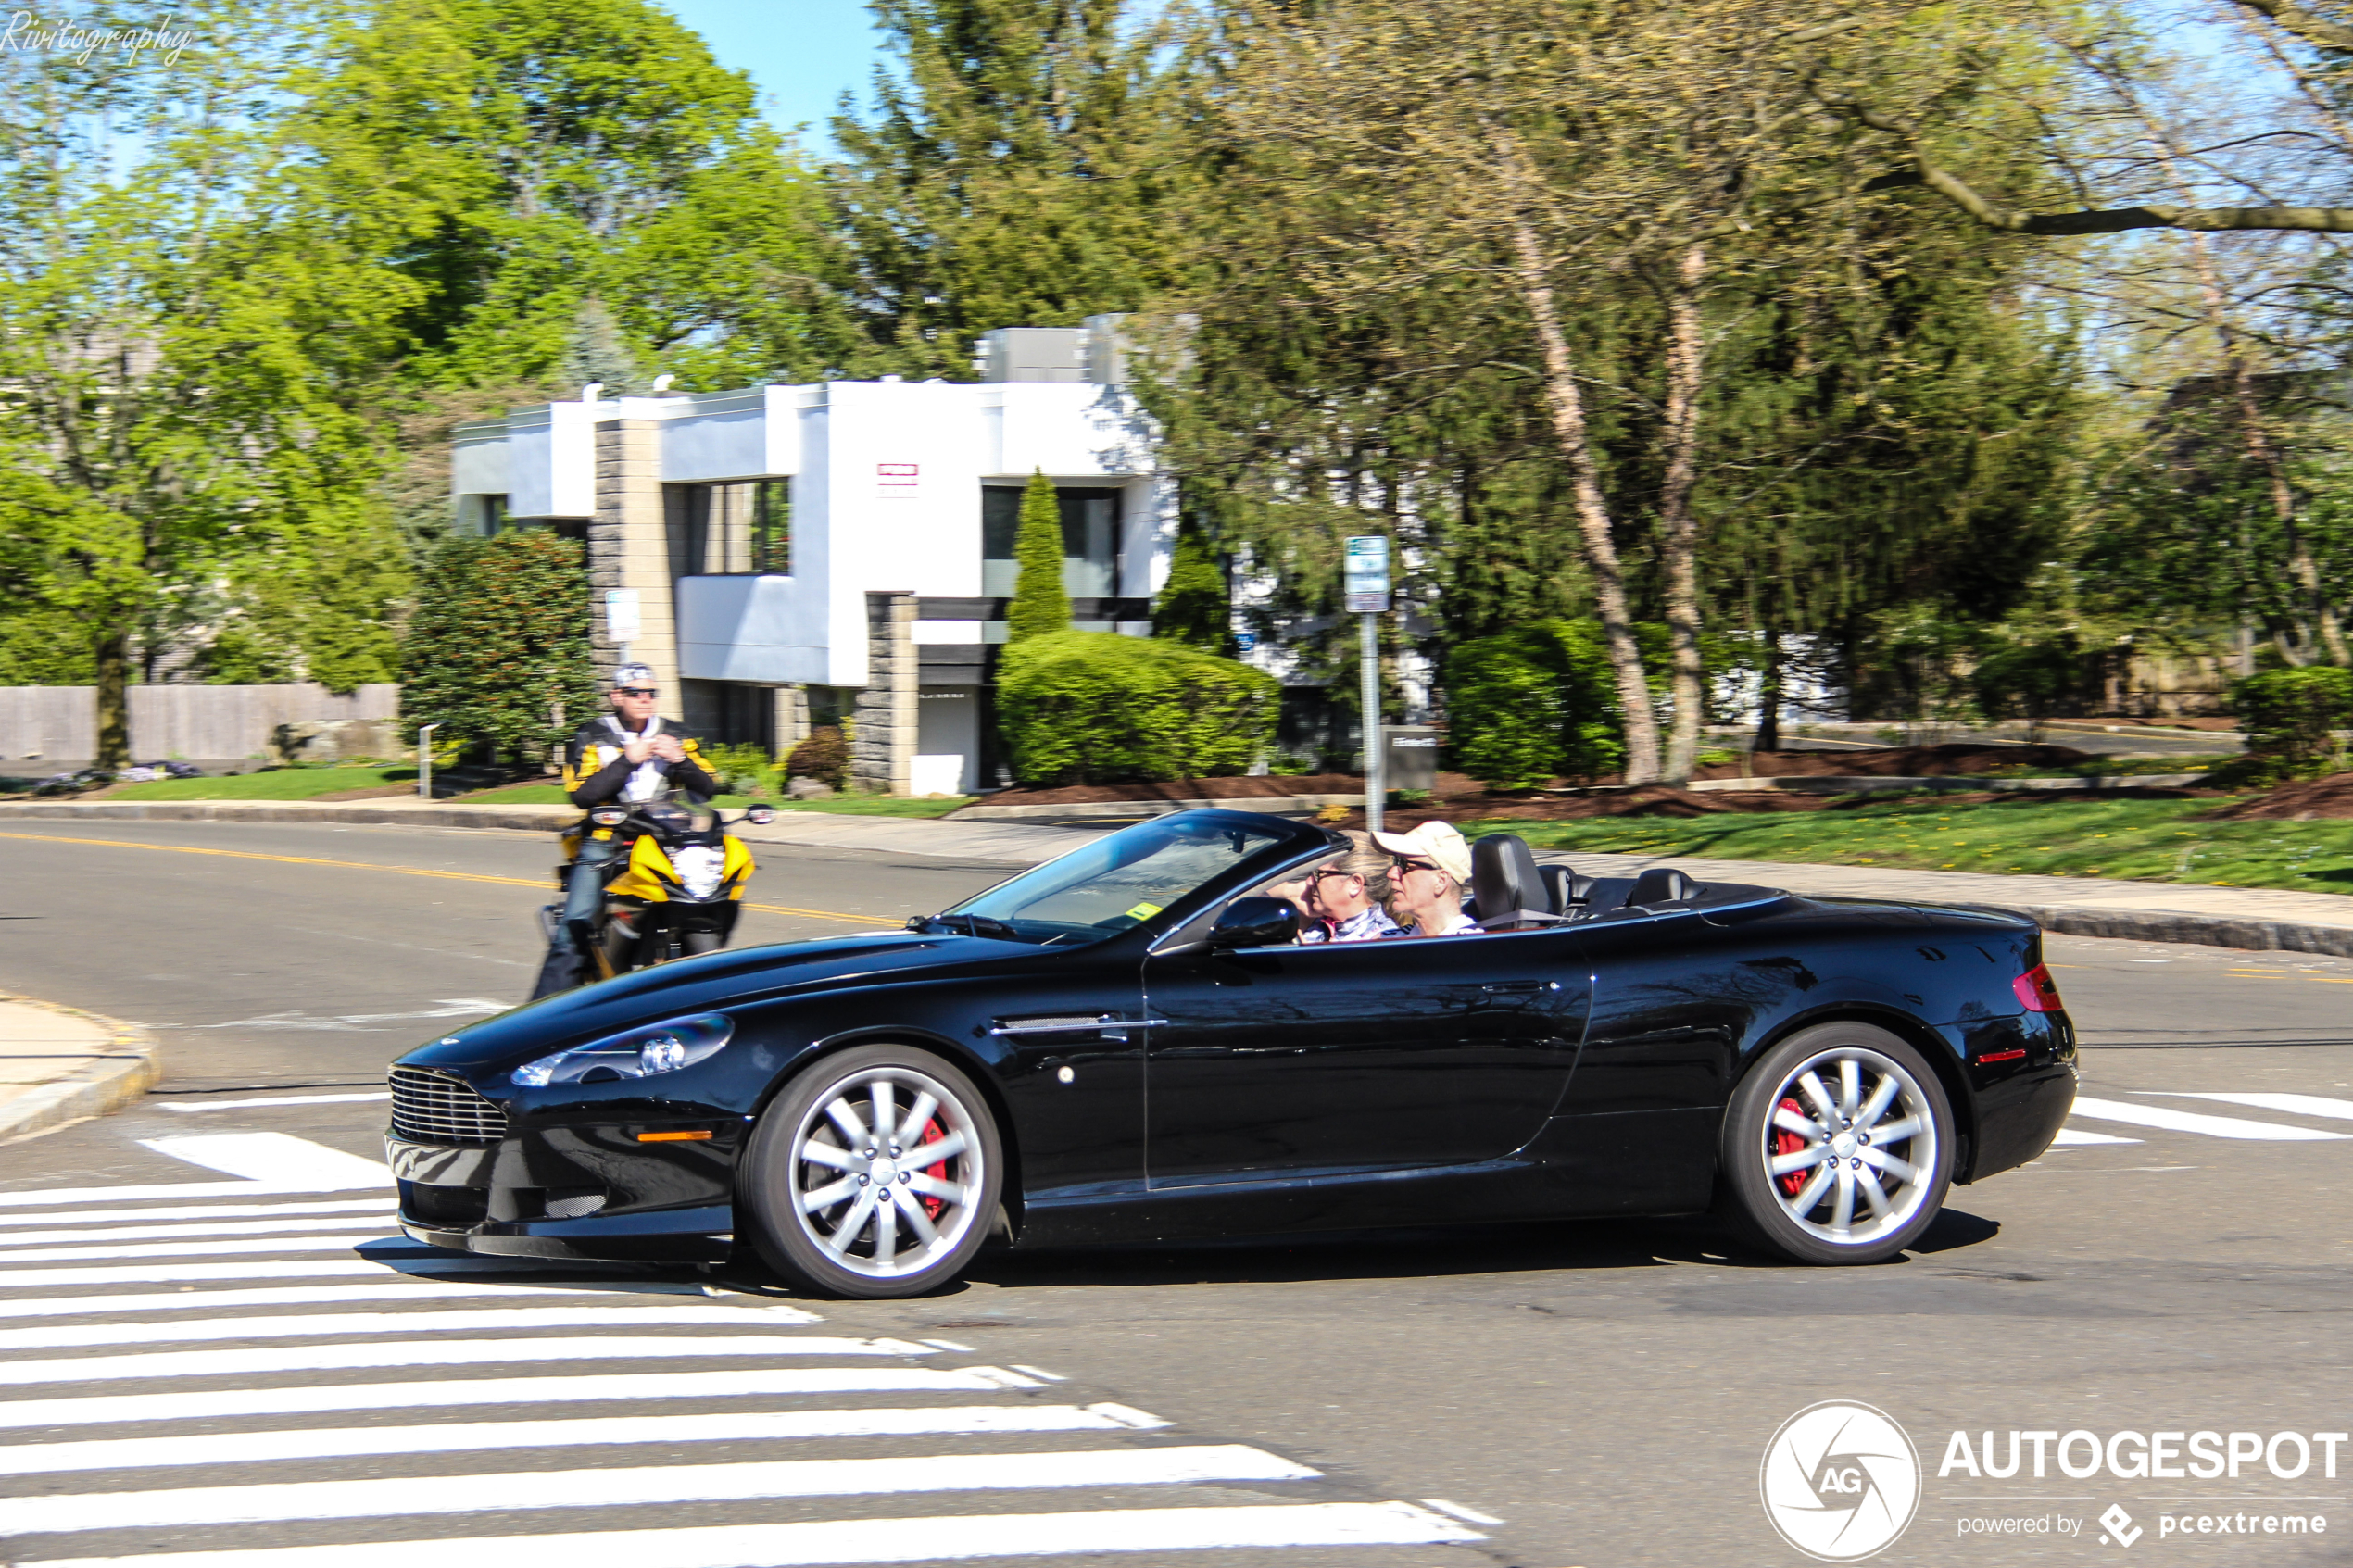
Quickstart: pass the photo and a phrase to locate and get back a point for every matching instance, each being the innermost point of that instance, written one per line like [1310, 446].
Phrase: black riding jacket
[596, 769]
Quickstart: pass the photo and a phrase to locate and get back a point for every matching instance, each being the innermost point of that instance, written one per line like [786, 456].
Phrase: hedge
[2292, 716]
[1524, 708]
[1097, 707]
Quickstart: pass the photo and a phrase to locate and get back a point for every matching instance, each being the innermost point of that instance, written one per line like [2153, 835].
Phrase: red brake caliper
[1787, 1142]
[933, 1133]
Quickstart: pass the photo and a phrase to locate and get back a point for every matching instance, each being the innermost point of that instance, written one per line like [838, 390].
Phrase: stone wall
[629, 548]
[882, 756]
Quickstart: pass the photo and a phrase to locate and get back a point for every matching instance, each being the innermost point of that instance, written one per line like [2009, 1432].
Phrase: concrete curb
[537, 817]
[107, 1084]
[1876, 783]
[1272, 804]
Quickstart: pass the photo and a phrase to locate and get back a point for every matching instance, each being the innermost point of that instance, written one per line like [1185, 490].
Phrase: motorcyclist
[630, 756]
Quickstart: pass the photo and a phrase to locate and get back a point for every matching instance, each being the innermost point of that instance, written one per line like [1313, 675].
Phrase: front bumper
[590, 1194]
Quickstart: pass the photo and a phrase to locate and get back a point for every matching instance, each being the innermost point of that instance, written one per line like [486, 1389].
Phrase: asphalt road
[1605, 1391]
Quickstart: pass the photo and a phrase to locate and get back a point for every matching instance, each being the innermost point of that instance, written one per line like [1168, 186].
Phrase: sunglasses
[1406, 863]
[633, 691]
[1329, 871]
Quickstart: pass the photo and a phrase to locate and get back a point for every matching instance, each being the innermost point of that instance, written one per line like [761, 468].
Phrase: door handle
[1521, 988]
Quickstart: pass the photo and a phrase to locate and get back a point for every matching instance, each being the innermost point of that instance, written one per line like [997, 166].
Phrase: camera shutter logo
[1839, 1481]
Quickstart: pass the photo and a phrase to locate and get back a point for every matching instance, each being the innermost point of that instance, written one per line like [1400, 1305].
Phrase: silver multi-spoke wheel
[1838, 1144]
[1850, 1145]
[874, 1175]
[884, 1171]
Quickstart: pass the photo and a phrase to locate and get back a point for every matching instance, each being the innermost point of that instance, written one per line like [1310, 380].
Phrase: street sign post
[1366, 587]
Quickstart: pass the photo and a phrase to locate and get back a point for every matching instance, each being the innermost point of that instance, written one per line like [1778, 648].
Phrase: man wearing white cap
[1427, 868]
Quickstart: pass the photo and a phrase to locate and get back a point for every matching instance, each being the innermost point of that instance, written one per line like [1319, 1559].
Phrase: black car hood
[713, 982]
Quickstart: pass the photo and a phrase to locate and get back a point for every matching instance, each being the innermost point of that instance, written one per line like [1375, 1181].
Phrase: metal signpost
[1367, 591]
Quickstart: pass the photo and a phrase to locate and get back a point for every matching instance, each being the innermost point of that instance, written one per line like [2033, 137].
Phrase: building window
[1090, 540]
[729, 529]
[772, 527]
[482, 515]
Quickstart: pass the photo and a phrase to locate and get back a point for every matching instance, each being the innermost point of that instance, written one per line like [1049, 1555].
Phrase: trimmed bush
[496, 652]
[1040, 605]
[2292, 716]
[1097, 707]
[825, 757]
[1192, 607]
[1528, 707]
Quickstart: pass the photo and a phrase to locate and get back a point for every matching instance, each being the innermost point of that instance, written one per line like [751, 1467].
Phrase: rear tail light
[2037, 992]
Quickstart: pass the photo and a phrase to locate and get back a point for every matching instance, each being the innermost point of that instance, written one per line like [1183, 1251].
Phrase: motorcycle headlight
[640, 1053]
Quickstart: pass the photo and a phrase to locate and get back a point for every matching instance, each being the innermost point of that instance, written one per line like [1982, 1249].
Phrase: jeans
[587, 887]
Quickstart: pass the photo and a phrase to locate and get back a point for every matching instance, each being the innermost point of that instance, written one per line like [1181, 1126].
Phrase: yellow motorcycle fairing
[649, 877]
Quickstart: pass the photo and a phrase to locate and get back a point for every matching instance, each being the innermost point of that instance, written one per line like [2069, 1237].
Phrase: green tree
[1040, 603]
[497, 652]
[195, 320]
[1192, 607]
[605, 192]
[1009, 174]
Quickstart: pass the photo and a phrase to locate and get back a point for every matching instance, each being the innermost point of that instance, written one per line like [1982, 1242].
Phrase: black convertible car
[1129, 1042]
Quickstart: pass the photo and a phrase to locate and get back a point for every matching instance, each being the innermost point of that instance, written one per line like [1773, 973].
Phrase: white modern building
[786, 555]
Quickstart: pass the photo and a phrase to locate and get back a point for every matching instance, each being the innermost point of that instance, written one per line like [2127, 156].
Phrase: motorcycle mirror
[760, 816]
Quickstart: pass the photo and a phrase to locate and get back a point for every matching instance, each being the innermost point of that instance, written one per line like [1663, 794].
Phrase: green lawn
[281, 783]
[2146, 840]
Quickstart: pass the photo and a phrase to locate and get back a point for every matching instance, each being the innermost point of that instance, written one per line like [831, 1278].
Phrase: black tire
[1891, 1191]
[702, 942]
[804, 1147]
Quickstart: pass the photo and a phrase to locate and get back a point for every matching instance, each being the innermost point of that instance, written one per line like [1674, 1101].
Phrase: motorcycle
[673, 892]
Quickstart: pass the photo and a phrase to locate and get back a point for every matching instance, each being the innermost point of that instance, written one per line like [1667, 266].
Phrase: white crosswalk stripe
[151, 1397]
[2167, 1119]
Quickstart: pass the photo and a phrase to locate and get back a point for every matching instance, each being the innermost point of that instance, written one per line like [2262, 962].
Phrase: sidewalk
[2152, 911]
[59, 1065]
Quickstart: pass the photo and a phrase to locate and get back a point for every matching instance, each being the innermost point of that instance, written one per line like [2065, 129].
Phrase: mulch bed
[2331, 797]
[1900, 761]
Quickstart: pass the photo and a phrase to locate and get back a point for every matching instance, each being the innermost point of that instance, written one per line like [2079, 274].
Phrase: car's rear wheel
[875, 1174]
[1838, 1146]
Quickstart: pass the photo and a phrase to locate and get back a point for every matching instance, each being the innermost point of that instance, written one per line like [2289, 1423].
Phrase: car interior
[1510, 891]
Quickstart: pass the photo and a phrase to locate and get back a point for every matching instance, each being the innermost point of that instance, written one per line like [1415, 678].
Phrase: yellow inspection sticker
[1143, 911]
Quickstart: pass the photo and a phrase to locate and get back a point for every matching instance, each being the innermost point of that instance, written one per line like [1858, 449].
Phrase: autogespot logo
[1839, 1481]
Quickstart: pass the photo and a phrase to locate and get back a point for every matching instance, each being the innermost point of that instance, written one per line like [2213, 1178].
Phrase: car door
[1639, 1120]
[1353, 1056]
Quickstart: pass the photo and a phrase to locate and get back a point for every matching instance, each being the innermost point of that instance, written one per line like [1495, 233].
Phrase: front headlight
[640, 1053]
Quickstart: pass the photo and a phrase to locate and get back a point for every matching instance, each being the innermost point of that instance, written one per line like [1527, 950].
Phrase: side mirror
[760, 816]
[1256, 922]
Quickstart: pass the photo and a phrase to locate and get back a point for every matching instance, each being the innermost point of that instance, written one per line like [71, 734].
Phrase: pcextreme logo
[1841, 1481]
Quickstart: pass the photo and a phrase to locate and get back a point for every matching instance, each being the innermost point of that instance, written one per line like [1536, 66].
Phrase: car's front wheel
[1838, 1146]
[875, 1174]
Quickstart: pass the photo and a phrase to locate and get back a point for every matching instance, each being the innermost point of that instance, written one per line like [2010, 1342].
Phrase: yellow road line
[403, 870]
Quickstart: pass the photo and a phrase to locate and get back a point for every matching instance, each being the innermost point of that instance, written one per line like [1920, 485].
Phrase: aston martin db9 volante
[1130, 1043]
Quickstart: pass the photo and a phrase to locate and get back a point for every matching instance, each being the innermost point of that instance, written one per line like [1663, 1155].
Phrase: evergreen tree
[1040, 603]
[1007, 176]
[1192, 607]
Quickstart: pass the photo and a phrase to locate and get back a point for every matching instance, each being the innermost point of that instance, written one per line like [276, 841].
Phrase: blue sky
[803, 54]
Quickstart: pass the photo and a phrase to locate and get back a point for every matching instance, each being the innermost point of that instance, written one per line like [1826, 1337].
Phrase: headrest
[1504, 882]
[1568, 887]
[1662, 884]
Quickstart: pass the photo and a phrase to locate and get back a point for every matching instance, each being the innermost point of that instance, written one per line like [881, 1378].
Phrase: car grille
[436, 1107]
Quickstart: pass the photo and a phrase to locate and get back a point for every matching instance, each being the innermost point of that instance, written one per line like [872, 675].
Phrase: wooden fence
[200, 723]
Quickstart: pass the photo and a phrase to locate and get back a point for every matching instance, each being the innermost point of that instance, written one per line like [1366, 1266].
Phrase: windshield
[1121, 880]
